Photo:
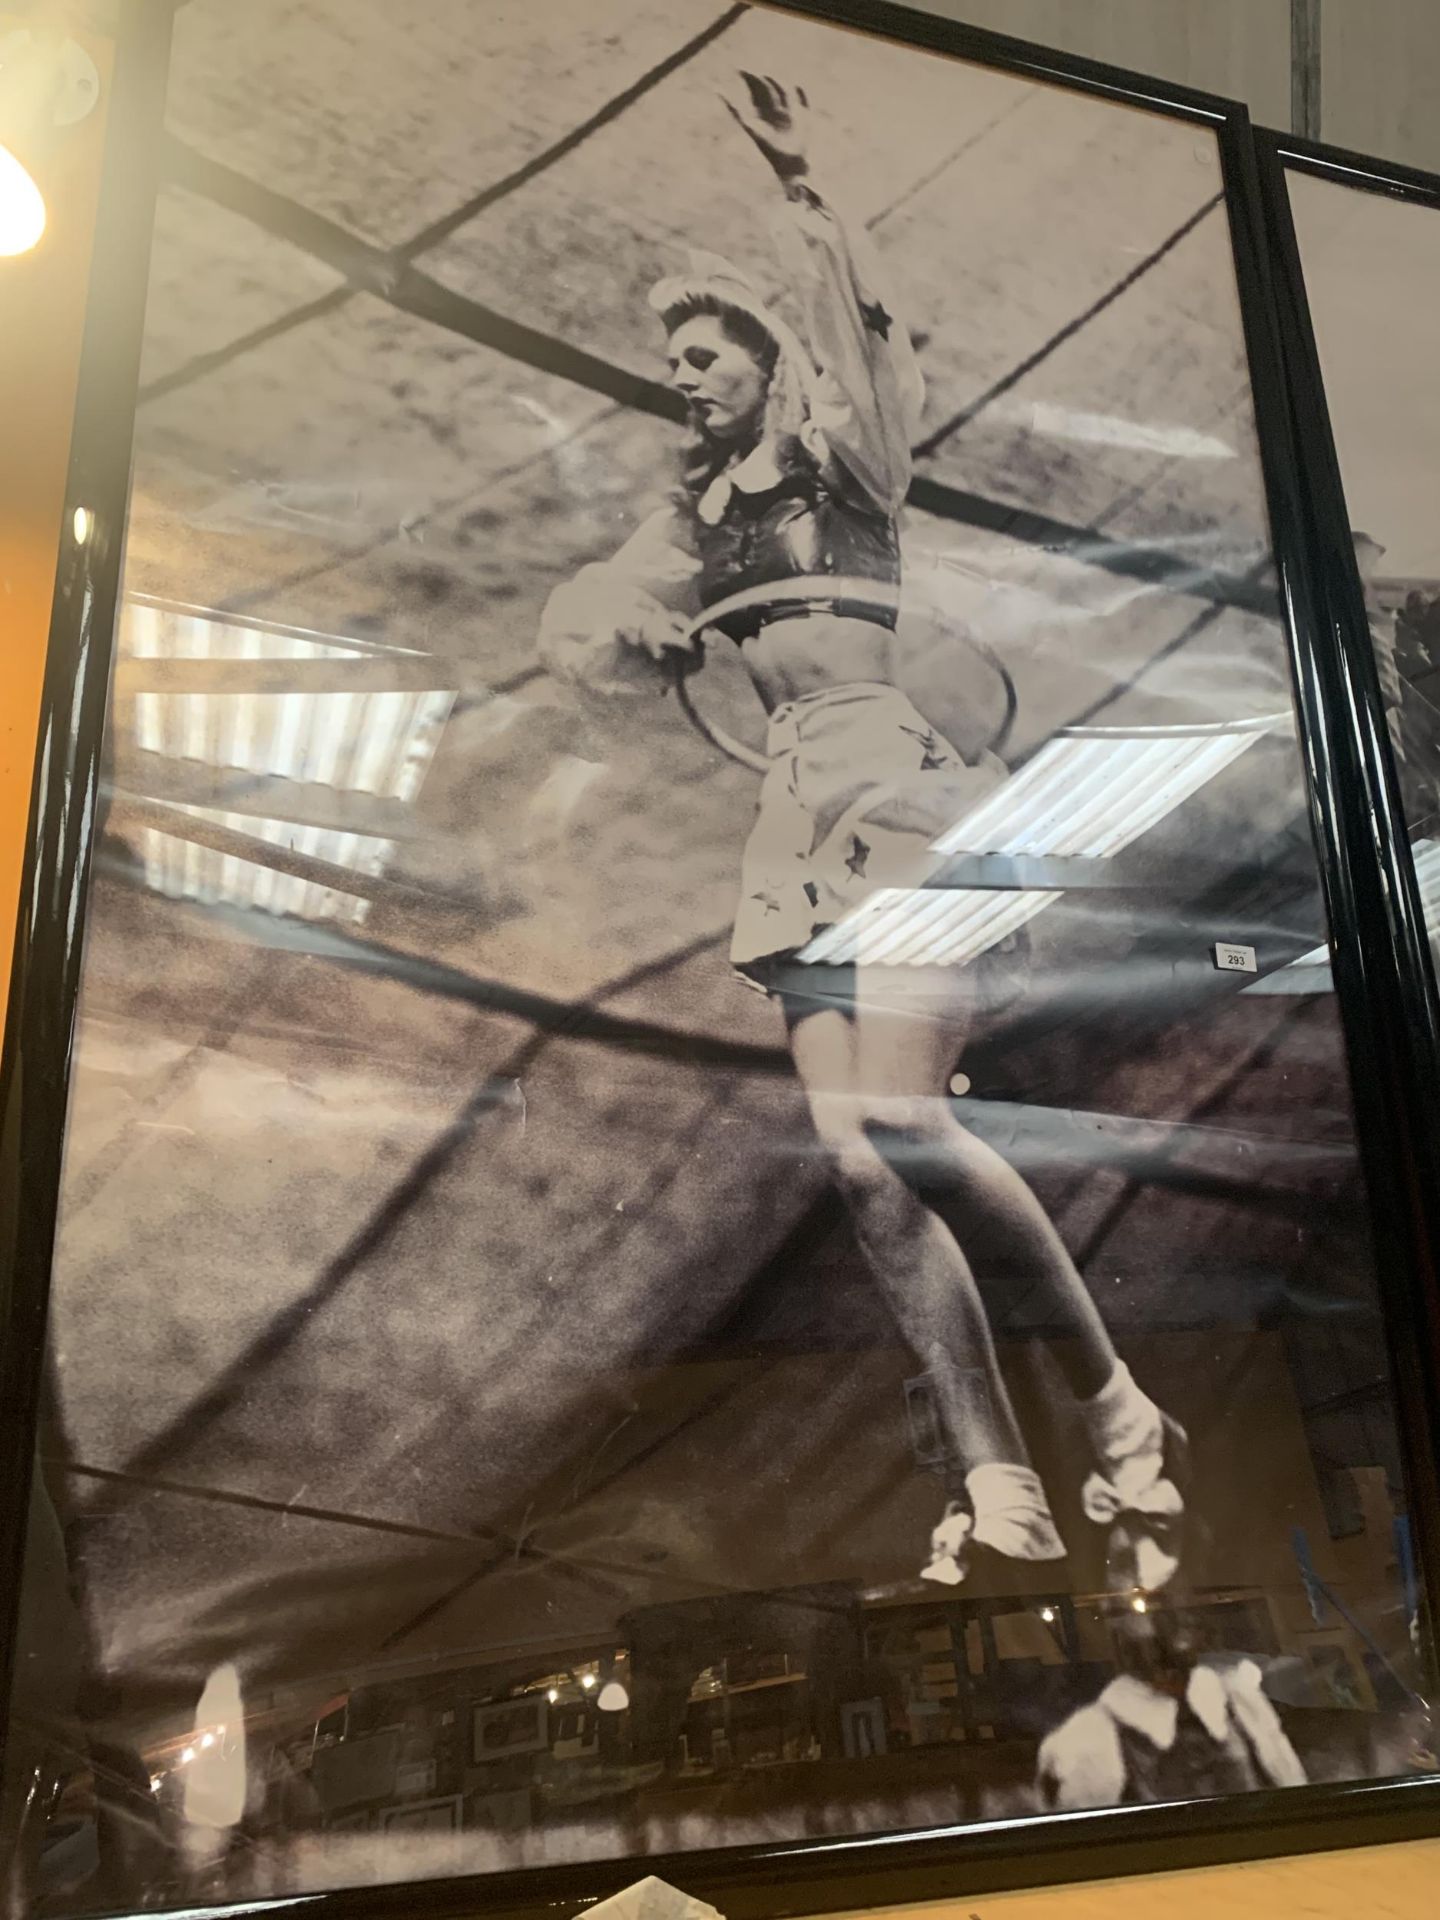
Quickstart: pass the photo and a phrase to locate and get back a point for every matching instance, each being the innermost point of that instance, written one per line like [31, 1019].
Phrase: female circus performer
[785, 528]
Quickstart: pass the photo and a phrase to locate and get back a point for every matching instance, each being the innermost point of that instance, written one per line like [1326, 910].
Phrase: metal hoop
[803, 589]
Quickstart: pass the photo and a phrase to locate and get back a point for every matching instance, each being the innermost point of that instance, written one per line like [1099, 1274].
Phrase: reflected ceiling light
[22, 207]
[1311, 973]
[187, 1756]
[1140, 1603]
[1108, 430]
[1087, 794]
[82, 525]
[356, 743]
[47, 83]
[612, 1698]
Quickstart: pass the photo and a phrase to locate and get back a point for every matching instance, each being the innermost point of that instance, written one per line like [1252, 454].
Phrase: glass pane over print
[1372, 271]
[521, 1393]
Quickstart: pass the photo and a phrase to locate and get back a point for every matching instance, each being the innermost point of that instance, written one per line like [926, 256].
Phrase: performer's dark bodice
[797, 529]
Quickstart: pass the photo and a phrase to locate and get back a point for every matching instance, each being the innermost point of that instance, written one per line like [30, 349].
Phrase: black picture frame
[1394, 977]
[1382, 977]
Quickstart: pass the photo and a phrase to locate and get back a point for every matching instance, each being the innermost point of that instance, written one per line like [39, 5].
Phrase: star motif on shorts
[876, 319]
[859, 854]
[932, 749]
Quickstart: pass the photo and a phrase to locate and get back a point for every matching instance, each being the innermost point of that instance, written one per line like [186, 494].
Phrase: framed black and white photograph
[722, 1094]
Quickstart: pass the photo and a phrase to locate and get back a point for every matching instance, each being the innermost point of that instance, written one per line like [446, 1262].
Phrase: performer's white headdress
[716, 285]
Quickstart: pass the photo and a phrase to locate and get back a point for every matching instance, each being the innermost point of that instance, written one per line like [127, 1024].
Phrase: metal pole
[1305, 68]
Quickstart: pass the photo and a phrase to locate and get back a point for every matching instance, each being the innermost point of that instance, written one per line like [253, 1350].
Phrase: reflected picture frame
[1383, 979]
[423, 1816]
[500, 1729]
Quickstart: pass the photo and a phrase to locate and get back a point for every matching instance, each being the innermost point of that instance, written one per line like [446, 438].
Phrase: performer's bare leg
[869, 1081]
[1001, 1225]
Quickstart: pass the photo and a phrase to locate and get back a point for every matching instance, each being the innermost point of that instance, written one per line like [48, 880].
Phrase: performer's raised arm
[867, 392]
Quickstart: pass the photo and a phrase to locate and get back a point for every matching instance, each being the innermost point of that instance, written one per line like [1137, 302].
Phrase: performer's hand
[665, 639]
[775, 118]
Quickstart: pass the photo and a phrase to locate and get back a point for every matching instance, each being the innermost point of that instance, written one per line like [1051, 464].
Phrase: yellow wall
[1378, 1883]
[42, 308]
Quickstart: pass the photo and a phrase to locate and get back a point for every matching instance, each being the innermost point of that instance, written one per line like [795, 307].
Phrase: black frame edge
[951, 1864]
[1363, 171]
[936, 33]
[1384, 973]
[65, 785]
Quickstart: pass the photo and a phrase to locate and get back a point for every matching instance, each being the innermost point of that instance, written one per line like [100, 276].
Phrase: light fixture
[587, 1679]
[553, 1695]
[612, 1698]
[22, 207]
[1047, 1614]
[47, 83]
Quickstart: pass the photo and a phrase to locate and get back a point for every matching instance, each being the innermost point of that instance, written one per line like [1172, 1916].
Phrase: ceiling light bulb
[22, 207]
[587, 1679]
[553, 1695]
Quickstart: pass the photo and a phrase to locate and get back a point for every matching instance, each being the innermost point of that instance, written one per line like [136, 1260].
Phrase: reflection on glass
[368, 741]
[503, 1403]
[1372, 271]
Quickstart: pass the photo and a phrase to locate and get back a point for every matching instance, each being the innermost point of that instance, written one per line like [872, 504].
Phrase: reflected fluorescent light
[82, 525]
[376, 744]
[183, 870]
[612, 1698]
[1312, 973]
[22, 207]
[1106, 430]
[1084, 797]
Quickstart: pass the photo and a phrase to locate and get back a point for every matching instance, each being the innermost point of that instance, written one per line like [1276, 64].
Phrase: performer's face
[721, 380]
